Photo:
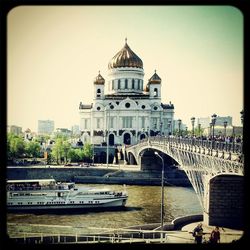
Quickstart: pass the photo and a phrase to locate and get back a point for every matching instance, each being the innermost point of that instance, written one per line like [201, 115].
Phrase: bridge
[215, 170]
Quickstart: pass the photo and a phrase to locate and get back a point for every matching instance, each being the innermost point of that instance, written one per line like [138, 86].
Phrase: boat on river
[48, 194]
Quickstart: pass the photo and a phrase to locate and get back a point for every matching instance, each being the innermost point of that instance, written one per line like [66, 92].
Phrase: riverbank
[99, 174]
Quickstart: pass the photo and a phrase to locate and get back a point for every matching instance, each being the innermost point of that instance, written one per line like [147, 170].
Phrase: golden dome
[125, 58]
[99, 79]
[155, 79]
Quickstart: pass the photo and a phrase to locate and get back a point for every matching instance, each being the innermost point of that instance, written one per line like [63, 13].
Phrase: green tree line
[62, 151]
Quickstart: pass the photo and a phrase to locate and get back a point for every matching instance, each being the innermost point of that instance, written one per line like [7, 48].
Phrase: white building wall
[119, 112]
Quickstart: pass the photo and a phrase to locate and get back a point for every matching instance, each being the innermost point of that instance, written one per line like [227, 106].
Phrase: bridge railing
[209, 144]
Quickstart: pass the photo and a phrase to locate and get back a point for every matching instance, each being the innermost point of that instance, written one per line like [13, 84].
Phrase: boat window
[38, 194]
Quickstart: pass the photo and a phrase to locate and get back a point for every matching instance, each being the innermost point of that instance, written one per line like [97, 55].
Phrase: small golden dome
[125, 58]
[155, 79]
[99, 79]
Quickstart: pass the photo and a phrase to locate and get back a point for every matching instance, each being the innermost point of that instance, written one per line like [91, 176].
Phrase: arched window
[98, 93]
[155, 92]
[126, 83]
[133, 83]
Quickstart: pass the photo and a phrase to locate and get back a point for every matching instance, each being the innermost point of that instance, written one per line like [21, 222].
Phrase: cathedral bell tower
[99, 83]
[154, 86]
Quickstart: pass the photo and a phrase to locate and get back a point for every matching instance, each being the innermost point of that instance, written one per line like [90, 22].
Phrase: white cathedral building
[131, 110]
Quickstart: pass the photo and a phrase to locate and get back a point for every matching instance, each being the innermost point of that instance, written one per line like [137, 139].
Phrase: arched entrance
[127, 139]
[142, 136]
[111, 140]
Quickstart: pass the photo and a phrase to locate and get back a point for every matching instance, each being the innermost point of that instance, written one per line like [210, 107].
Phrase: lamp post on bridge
[213, 122]
[169, 128]
[242, 122]
[199, 128]
[161, 129]
[162, 190]
[179, 126]
[142, 134]
[225, 128]
[148, 131]
[192, 121]
[210, 129]
[110, 106]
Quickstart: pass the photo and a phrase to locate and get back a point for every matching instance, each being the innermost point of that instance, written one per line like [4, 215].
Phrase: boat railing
[23, 188]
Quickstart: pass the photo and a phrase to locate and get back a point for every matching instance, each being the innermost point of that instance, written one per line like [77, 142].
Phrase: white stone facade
[129, 111]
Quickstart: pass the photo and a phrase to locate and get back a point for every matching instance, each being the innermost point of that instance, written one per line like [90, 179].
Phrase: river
[143, 207]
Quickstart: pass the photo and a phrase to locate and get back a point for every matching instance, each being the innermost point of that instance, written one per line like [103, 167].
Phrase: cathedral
[130, 110]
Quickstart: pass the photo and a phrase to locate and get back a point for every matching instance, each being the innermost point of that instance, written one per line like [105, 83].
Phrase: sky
[55, 52]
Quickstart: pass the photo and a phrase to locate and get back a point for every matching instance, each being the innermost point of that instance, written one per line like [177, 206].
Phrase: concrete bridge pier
[223, 201]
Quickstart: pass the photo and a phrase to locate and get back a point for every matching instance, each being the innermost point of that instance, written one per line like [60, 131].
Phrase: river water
[143, 207]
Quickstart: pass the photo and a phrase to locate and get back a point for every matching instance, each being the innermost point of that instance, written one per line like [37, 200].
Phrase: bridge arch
[207, 165]
[149, 161]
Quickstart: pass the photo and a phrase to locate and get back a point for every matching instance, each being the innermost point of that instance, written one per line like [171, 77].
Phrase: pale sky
[55, 52]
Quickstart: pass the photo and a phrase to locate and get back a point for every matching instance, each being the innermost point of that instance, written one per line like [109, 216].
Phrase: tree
[15, 146]
[61, 149]
[57, 150]
[66, 148]
[33, 149]
[88, 151]
[75, 155]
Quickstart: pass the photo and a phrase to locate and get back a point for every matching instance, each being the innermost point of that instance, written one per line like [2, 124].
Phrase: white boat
[47, 194]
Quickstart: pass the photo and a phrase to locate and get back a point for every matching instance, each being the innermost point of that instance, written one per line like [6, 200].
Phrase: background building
[75, 130]
[45, 126]
[63, 131]
[28, 135]
[14, 129]
[131, 110]
[219, 121]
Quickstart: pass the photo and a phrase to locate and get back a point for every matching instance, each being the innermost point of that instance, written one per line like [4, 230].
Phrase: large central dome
[125, 58]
